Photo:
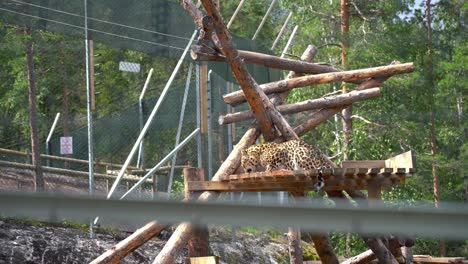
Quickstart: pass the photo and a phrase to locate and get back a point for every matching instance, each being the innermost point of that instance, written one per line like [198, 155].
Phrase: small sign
[129, 66]
[66, 145]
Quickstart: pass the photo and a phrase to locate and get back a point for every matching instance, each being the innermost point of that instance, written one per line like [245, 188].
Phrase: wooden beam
[318, 117]
[203, 98]
[200, 53]
[324, 102]
[363, 164]
[118, 252]
[429, 259]
[238, 97]
[64, 159]
[198, 244]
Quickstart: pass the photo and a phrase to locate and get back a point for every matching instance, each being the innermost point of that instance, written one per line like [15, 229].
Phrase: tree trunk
[348, 111]
[432, 124]
[324, 102]
[65, 95]
[36, 158]
[238, 97]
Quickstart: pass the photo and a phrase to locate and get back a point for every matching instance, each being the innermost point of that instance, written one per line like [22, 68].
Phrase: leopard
[289, 155]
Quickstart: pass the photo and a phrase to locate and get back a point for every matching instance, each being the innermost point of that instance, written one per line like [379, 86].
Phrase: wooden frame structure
[215, 44]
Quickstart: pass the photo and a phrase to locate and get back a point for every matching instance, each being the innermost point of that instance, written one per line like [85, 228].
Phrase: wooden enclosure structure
[215, 44]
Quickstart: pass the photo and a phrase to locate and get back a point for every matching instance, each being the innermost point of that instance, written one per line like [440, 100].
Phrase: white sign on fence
[129, 66]
[66, 145]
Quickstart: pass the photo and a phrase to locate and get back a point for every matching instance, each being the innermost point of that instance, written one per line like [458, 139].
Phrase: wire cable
[99, 20]
[94, 30]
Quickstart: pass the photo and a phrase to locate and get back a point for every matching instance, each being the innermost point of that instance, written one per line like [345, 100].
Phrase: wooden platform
[286, 180]
[355, 175]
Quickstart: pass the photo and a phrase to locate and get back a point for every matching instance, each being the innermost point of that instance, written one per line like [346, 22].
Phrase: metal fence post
[179, 128]
[210, 128]
[141, 113]
[47, 144]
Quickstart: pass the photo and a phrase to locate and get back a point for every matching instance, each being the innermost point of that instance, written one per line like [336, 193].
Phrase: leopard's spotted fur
[290, 155]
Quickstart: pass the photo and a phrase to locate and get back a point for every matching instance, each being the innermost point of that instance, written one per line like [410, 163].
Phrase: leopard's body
[290, 155]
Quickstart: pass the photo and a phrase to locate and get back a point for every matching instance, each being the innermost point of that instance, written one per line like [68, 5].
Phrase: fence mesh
[152, 34]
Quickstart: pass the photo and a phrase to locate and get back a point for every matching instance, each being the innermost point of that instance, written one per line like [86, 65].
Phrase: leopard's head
[250, 160]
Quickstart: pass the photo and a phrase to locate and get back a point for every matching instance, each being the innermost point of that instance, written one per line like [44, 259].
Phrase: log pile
[215, 44]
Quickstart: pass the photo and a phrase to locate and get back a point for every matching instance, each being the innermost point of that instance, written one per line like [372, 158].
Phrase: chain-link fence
[129, 39]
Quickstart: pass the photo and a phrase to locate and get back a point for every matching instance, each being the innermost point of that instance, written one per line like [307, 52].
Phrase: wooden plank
[276, 185]
[203, 260]
[429, 259]
[363, 164]
[203, 98]
[404, 160]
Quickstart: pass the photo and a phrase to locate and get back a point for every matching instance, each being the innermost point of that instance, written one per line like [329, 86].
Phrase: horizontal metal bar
[448, 221]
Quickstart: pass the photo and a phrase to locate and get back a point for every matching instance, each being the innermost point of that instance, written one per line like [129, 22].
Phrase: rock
[23, 243]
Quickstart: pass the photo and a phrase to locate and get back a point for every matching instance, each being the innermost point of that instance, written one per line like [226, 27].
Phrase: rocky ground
[35, 242]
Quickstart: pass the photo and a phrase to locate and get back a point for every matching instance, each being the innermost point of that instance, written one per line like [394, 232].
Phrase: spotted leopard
[290, 155]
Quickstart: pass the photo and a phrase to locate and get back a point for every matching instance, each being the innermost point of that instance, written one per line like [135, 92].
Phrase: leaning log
[235, 98]
[253, 94]
[201, 53]
[128, 245]
[181, 235]
[324, 102]
[261, 106]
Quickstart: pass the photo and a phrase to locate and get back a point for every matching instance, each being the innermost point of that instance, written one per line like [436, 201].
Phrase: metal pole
[151, 117]
[162, 162]
[141, 112]
[229, 126]
[179, 129]
[283, 28]
[210, 128]
[235, 13]
[264, 19]
[199, 137]
[49, 136]
[289, 41]
[89, 112]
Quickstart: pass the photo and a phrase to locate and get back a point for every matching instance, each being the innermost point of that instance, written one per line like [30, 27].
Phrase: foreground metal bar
[151, 117]
[450, 219]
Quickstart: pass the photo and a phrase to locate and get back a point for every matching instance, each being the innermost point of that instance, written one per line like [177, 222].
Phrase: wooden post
[294, 240]
[198, 244]
[203, 98]
[238, 97]
[324, 102]
[154, 185]
[375, 244]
